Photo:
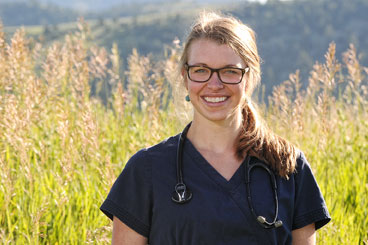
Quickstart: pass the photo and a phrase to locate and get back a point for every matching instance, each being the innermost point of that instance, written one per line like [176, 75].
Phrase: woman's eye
[231, 71]
[200, 70]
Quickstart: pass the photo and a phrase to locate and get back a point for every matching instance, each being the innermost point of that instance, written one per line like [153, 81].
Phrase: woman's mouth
[215, 99]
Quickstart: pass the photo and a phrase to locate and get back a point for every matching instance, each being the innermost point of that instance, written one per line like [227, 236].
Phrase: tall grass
[329, 121]
[61, 149]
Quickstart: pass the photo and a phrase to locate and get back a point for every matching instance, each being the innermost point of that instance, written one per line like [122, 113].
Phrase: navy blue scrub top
[218, 212]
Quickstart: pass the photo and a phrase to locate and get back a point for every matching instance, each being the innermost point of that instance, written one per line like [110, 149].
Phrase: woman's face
[214, 100]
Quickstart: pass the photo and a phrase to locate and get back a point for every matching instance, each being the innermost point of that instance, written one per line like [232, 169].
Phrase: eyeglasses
[227, 75]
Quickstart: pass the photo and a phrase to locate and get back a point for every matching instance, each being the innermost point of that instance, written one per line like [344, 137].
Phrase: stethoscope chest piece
[181, 194]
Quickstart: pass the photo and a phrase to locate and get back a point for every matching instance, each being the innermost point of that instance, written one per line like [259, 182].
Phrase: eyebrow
[205, 65]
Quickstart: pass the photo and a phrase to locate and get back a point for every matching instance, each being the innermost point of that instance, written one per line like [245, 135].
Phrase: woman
[231, 164]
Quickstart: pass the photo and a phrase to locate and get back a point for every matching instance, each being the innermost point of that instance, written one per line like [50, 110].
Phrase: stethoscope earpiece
[262, 220]
[278, 223]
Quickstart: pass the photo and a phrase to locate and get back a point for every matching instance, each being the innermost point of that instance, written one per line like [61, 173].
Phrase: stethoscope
[183, 195]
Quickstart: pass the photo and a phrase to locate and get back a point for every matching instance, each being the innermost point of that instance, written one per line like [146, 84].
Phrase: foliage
[291, 34]
[61, 149]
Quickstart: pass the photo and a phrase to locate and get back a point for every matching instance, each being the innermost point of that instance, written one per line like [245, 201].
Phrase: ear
[185, 78]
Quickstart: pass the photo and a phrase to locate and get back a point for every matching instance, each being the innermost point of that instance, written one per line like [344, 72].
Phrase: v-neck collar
[207, 168]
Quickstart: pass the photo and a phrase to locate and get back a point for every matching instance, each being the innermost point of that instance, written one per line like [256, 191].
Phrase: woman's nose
[215, 81]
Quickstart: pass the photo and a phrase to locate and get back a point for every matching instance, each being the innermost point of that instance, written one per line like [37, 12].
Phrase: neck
[215, 136]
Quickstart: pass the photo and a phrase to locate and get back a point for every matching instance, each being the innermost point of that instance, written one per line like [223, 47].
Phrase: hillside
[294, 34]
[19, 13]
[108, 5]
[291, 34]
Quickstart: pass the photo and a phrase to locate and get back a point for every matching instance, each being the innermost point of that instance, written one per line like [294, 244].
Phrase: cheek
[194, 87]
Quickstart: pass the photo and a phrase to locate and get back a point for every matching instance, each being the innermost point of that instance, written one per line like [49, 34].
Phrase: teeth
[215, 99]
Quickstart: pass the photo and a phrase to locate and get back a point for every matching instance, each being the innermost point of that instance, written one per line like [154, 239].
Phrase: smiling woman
[221, 95]
[226, 179]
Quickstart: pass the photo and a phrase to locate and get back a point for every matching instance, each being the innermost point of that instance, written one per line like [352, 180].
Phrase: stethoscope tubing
[261, 219]
[182, 193]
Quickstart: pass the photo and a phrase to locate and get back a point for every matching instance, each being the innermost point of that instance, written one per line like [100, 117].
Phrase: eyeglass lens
[226, 75]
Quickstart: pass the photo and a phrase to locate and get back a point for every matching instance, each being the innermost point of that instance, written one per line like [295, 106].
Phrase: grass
[61, 149]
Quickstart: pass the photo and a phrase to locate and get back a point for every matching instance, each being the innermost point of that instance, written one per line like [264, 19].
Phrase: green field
[61, 149]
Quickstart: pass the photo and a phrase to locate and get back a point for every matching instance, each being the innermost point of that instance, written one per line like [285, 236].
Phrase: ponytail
[257, 140]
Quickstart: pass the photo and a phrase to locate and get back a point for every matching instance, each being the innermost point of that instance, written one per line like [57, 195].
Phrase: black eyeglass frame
[243, 70]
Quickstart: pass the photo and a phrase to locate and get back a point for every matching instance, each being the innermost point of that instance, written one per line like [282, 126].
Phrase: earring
[187, 98]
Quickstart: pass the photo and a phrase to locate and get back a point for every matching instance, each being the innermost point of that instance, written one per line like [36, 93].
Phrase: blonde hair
[255, 138]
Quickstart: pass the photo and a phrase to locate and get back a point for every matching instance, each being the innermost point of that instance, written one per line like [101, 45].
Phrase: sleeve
[310, 207]
[130, 198]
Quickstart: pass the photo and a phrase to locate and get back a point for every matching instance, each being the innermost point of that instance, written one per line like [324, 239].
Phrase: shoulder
[160, 151]
[302, 167]
[301, 161]
[310, 206]
[139, 167]
[162, 148]
[303, 173]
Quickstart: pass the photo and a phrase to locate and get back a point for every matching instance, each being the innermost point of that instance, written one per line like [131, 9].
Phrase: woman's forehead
[207, 51]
